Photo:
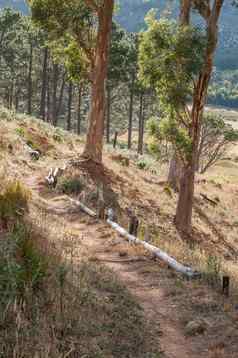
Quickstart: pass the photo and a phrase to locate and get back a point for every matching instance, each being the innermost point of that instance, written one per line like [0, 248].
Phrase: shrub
[6, 115]
[168, 191]
[13, 202]
[70, 186]
[141, 164]
[58, 136]
[21, 264]
[213, 270]
[20, 131]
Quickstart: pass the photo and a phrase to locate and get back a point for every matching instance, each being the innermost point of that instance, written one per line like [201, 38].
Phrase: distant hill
[131, 15]
[20, 5]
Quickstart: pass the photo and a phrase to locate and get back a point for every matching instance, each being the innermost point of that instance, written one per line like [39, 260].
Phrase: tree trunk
[61, 96]
[44, 84]
[79, 109]
[183, 217]
[185, 11]
[131, 112]
[54, 94]
[69, 124]
[16, 101]
[94, 141]
[48, 98]
[29, 105]
[11, 94]
[175, 170]
[108, 126]
[186, 195]
[141, 125]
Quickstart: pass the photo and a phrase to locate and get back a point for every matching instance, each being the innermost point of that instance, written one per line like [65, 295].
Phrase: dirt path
[143, 278]
[151, 283]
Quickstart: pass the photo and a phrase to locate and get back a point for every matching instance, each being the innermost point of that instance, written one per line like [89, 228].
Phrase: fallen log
[185, 270]
[84, 208]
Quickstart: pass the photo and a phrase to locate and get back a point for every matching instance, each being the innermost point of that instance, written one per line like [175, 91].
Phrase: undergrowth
[70, 185]
[51, 308]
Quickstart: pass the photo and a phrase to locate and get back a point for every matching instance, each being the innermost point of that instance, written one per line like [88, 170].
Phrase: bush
[13, 202]
[20, 131]
[6, 114]
[58, 136]
[21, 264]
[168, 191]
[213, 270]
[141, 164]
[70, 186]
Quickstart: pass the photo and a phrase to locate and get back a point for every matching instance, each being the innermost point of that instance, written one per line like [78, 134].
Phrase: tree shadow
[215, 230]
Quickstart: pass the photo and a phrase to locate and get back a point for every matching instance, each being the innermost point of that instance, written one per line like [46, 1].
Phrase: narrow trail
[143, 277]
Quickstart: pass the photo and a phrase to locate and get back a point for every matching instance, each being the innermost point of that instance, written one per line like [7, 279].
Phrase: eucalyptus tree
[178, 62]
[85, 26]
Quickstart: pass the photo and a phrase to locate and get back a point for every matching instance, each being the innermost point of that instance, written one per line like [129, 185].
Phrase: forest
[118, 179]
[130, 15]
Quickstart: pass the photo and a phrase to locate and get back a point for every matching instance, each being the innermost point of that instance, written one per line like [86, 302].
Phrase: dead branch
[205, 197]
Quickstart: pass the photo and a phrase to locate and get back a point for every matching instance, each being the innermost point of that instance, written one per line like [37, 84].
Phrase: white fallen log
[84, 208]
[185, 270]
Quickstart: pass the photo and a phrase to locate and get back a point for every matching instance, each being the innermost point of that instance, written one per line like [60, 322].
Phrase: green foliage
[216, 136]
[223, 89]
[178, 136]
[58, 136]
[155, 137]
[123, 55]
[13, 202]
[141, 164]
[20, 131]
[6, 115]
[153, 127]
[70, 185]
[71, 29]
[170, 56]
[216, 125]
[147, 163]
[168, 191]
[21, 263]
[154, 147]
[213, 270]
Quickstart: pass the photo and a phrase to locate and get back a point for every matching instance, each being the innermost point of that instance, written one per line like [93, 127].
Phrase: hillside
[159, 307]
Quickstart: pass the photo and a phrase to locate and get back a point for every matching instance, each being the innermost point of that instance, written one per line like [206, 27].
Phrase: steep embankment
[188, 319]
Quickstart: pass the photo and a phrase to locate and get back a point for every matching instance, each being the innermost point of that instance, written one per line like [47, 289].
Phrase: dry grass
[74, 310]
[93, 301]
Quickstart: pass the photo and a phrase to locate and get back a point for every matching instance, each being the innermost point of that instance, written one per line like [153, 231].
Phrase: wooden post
[100, 203]
[226, 285]
[101, 210]
[115, 140]
[133, 225]
[147, 234]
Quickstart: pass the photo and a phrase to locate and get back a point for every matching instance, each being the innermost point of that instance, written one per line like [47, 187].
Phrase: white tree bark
[185, 270]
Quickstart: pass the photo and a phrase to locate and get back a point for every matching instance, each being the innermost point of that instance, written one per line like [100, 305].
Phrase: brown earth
[168, 300]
